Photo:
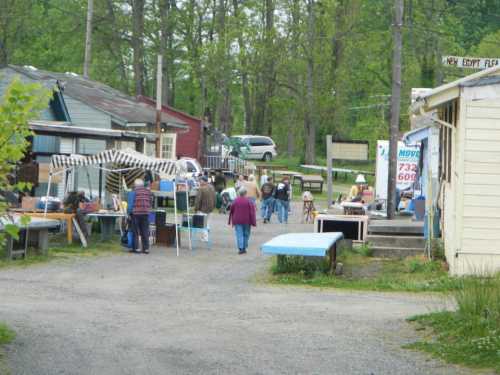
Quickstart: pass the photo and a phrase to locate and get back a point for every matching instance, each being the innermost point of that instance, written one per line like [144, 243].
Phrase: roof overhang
[445, 93]
[65, 129]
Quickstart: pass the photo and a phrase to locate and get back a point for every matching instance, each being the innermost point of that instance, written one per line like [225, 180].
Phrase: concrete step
[411, 229]
[395, 252]
[417, 242]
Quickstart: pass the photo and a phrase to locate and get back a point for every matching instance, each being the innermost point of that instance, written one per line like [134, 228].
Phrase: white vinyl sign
[408, 159]
[470, 62]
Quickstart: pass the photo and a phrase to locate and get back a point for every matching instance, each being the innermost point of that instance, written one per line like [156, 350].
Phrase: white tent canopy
[120, 161]
[128, 157]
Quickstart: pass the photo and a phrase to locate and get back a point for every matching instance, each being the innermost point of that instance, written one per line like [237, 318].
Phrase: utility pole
[158, 106]
[395, 108]
[88, 39]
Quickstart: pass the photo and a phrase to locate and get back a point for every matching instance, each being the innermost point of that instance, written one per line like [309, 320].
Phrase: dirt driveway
[201, 313]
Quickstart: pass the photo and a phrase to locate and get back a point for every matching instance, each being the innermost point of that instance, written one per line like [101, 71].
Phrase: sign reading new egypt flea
[470, 62]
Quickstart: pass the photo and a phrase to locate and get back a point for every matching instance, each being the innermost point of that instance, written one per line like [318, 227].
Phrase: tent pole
[187, 208]
[175, 219]
[48, 192]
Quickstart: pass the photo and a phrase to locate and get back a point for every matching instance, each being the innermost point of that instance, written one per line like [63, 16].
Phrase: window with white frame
[167, 146]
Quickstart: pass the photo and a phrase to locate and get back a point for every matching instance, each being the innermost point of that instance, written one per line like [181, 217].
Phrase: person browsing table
[139, 206]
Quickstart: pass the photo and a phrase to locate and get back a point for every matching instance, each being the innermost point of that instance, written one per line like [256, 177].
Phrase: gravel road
[202, 313]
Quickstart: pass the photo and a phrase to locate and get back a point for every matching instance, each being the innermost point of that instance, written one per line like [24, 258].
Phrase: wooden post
[158, 106]
[88, 39]
[329, 180]
[395, 108]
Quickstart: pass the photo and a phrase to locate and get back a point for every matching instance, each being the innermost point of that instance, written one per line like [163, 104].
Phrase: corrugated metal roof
[484, 81]
[59, 128]
[125, 109]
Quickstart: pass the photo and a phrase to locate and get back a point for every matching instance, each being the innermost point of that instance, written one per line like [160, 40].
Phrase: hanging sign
[470, 62]
[408, 159]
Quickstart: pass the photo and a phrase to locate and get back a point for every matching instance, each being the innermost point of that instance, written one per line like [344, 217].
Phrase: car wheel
[267, 156]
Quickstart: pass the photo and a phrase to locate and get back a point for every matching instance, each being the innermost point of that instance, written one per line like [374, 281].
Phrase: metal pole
[48, 192]
[158, 106]
[175, 220]
[329, 170]
[395, 109]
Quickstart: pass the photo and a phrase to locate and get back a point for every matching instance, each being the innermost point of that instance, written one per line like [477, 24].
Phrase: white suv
[260, 147]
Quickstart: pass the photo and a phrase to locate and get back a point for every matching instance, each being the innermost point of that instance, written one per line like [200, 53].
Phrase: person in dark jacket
[220, 182]
[242, 217]
[282, 196]
[267, 204]
[140, 200]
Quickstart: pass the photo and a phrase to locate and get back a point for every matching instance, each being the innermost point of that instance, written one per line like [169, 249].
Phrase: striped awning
[127, 158]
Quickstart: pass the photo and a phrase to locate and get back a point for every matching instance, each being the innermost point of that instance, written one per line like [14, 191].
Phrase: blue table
[305, 244]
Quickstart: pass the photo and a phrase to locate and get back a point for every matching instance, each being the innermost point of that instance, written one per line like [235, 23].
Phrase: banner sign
[349, 150]
[470, 62]
[408, 159]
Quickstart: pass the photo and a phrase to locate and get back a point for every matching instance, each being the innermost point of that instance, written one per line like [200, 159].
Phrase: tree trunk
[309, 120]
[138, 45]
[115, 47]
[247, 103]
[88, 39]
[224, 101]
[395, 108]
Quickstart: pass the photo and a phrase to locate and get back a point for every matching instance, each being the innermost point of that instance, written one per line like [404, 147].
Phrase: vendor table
[68, 217]
[37, 234]
[169, 195]
[305, 244]
[107, 220]
[292, 175]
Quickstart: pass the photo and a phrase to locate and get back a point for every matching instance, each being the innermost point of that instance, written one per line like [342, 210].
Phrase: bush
[6, 334]
[365, 250]
[437, 249]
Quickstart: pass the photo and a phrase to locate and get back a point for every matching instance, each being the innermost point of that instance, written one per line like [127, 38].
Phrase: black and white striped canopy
[128, 158]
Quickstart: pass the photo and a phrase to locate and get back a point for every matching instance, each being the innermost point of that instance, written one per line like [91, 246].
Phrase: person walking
[253, 191]
[205, 202]
[219, 181]
[239, 182]
[264, 177]
[242, 217]
[282, 196]
[139, 206]
[267, 204]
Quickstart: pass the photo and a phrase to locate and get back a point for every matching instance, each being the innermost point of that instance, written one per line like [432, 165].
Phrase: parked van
[260, 147]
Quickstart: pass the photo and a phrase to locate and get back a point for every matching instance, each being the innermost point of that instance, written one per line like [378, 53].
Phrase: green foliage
[6, 334]
[20, 103]
[364, 249]
[304, 266]
[471, 334]
[259, 57]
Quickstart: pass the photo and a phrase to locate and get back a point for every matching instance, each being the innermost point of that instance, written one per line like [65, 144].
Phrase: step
[399, 230]
[417, 242]
[395, 252]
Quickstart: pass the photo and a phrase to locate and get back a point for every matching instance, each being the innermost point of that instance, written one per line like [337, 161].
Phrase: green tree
[20, 103]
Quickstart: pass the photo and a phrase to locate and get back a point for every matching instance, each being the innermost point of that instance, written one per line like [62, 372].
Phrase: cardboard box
[29, 203]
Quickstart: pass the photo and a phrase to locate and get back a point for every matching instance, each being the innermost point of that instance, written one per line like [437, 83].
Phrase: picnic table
[107, 221]
[63, 216]
[292, 175]
[37, 234]
[312, 182]
[305, 244]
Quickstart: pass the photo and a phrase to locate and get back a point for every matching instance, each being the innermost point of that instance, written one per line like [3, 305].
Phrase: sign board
[349, 150]
[408, 159]
[470, 62]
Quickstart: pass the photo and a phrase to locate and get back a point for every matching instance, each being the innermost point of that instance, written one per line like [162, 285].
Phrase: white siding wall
[480, 221]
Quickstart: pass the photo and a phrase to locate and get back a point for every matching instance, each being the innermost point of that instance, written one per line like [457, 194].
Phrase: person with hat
[356, 192]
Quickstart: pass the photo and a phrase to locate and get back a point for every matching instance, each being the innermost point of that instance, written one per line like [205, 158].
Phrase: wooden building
[84, 103]
[468, 118]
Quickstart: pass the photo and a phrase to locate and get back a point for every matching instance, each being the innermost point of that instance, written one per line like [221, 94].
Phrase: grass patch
[470, 335]
[414, 274]
[59, 249]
